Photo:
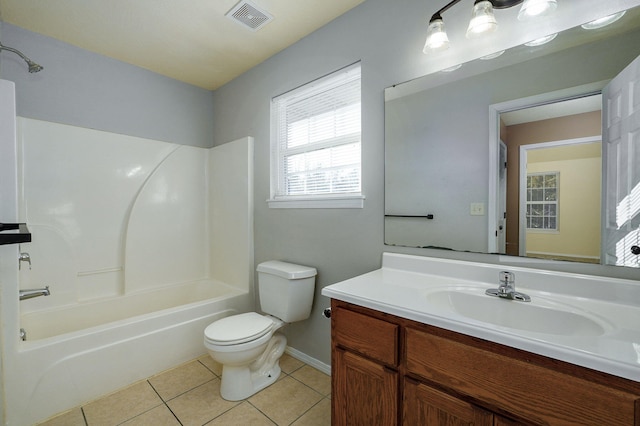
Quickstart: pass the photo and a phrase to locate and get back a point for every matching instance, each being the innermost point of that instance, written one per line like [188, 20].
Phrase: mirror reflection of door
[532, 216]
[621, 138]
[537, 225]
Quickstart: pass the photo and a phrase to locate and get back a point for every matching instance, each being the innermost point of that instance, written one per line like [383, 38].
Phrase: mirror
[445, 181]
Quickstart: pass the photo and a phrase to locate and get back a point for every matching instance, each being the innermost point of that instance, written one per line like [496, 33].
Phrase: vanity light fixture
[482, 19]
[603, 22]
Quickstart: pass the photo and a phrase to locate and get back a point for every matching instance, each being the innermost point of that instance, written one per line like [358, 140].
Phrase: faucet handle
[24, 257]
[507, 277]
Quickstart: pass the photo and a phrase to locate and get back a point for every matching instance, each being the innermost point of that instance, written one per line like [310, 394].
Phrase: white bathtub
[53, 373]
[48, 323]
[143, 244]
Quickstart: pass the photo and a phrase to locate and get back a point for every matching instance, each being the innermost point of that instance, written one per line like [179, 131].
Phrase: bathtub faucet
[34, 292]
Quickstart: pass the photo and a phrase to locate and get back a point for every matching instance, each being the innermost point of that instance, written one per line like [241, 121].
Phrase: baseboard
[325, 368]
[564, 256]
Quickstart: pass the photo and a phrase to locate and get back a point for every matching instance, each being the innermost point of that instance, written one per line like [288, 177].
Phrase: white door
[621, 174]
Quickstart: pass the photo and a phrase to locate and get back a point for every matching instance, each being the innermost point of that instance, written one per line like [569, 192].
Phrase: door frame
[522, 202]
[495, 110]
[501, 217]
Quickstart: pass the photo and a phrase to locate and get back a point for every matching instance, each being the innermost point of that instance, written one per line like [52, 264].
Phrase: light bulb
[533, 8]
[437, 39]
[482, 19]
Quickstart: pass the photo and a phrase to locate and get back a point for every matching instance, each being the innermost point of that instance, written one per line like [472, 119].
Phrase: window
[542, 201]
[315, 143]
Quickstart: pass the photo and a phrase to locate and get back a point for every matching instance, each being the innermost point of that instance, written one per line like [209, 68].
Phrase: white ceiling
[190, 41]
[553, 110]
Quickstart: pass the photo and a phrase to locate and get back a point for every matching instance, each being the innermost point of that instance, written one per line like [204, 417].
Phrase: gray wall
[84, 89]
[387, 37]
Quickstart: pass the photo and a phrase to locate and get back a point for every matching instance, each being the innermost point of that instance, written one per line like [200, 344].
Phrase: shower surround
[143, 243]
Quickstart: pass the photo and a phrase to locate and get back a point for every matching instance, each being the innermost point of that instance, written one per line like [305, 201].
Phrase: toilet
[247, 344]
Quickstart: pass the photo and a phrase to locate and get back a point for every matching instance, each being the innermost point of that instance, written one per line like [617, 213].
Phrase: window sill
[542, 231]
[340, 202]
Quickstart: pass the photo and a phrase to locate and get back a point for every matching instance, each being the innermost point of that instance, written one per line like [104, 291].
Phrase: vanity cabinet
[365, 369]
[424, 405]
[389, 370]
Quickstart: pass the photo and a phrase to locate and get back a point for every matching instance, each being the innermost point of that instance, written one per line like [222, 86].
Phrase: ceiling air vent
[248, 14]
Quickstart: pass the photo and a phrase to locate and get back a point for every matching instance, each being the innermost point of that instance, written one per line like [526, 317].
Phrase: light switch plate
[477, 209]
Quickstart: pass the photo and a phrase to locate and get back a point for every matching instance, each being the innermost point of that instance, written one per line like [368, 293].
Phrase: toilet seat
[238, 329]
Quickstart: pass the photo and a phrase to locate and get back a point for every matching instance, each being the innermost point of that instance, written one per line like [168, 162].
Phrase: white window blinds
[316, 138]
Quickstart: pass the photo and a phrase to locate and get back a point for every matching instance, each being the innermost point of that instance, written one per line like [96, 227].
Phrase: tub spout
[34, 292]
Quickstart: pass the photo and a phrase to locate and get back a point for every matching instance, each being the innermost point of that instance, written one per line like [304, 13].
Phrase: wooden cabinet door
[426, 406]
[364, 392]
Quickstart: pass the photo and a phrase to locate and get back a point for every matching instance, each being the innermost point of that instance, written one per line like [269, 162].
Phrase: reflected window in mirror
[542, 201]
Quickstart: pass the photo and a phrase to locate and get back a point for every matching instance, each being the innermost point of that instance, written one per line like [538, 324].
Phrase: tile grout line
[216, 377]
[315, 390]
[258, 409]
[84, 416]
[322, 397]
[165, 402]
[205, 366]
[262, 412]
[310, 408]
[225, 412]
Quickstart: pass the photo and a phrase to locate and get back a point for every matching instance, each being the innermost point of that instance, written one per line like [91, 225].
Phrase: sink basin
[539, 316]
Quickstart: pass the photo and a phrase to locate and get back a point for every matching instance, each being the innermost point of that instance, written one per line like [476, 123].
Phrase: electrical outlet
[477, 209]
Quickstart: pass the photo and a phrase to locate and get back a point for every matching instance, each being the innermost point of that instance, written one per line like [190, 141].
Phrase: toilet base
[240, 382]
[237, 383]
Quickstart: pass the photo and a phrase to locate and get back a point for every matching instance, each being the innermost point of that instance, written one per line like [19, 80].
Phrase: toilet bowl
[247, 344]
[249, 349]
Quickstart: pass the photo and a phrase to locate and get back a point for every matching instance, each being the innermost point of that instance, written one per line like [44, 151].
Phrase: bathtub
[72, 361]
[143, 244]
[44, 324]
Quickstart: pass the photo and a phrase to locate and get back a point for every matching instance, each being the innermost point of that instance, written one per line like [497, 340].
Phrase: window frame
[543, 203]
[324, 200]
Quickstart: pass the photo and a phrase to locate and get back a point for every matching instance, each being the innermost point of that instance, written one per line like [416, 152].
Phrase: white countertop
[401, 287]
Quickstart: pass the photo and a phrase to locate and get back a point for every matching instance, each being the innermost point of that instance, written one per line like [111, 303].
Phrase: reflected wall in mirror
[445, 181]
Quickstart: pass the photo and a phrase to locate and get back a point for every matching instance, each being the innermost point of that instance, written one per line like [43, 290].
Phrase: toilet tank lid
[286, 270]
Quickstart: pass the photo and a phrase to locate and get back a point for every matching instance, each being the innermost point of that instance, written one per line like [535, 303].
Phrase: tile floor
[190, 395]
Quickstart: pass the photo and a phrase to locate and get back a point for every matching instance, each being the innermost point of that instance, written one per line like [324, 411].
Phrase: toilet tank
[286, 290]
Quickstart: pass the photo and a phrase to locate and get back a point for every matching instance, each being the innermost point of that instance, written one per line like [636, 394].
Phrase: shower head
[33, 67]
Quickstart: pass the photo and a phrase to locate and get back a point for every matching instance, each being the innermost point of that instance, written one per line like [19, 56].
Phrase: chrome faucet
[24, 257]
[34, 292]
[507, 288]
[507, 284]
